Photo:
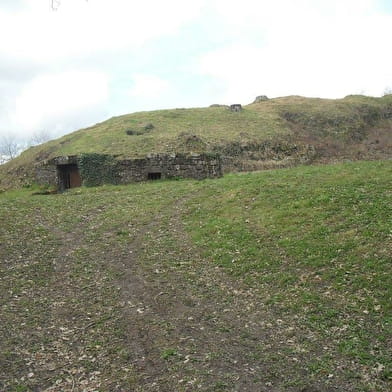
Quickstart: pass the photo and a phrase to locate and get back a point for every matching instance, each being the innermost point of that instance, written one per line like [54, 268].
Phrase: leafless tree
[9, 148]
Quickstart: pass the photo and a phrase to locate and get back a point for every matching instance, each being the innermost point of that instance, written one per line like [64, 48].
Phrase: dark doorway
[69, 176]
[154, 176]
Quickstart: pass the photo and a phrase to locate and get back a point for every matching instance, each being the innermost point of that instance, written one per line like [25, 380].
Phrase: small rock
[260, 98]
[236, 107]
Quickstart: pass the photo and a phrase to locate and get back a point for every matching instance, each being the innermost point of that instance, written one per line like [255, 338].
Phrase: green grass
[277, 278]
[329, 220]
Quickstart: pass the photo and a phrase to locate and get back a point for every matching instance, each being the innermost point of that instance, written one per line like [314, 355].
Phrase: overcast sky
[89, 60]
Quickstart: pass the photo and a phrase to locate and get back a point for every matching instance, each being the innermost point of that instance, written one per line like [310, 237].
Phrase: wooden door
[74, 177]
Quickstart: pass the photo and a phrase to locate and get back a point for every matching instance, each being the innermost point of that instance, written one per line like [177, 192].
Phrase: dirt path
[138, 308]
[189, 325]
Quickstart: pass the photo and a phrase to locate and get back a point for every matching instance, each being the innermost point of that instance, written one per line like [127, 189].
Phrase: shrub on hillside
[144, 129]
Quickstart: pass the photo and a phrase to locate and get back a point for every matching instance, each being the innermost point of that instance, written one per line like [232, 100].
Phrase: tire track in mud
[190, 326]
[178, 322]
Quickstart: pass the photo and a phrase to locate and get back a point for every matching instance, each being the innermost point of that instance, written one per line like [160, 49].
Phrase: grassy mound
[279, 132]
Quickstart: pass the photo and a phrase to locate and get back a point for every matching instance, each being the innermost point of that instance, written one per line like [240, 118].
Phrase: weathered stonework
[260, 98]
[197, 166]
[47, 172]
[60, 171]
[236, 107]
[46, 175]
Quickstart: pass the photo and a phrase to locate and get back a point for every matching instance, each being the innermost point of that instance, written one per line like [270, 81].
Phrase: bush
[146, 128]
[131, 132]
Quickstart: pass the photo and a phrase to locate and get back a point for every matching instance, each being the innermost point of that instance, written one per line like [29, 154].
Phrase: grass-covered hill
[270, 281]
[278, 132]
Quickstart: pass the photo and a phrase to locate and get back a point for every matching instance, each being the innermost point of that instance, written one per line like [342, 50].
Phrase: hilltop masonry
[68, 171]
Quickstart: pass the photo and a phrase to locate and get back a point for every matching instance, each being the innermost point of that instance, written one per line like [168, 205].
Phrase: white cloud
[45, 56]
[148, 86]
[330, 52]
[56, 96]
[80, 28]
[68, 68]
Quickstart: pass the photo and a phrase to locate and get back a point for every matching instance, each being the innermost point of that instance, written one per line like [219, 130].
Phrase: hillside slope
[276, 281]
[279, 132]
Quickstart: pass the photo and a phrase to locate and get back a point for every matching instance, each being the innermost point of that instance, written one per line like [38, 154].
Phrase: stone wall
[164, 166]
[197, 166]
[46, 172]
